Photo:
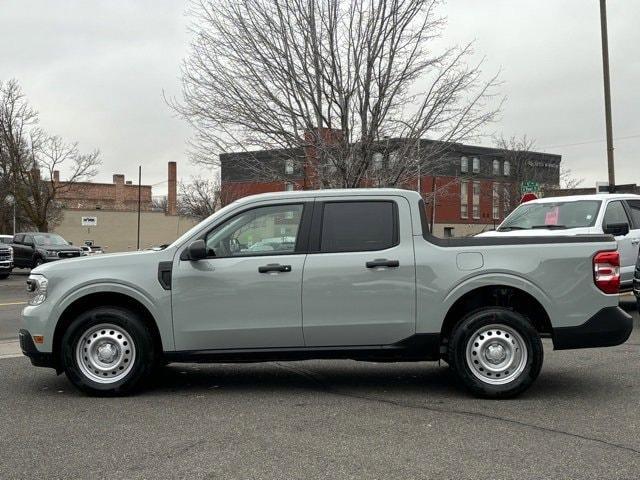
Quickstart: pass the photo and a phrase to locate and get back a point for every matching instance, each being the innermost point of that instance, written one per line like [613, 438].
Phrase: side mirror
[617, 229]
[197, 250]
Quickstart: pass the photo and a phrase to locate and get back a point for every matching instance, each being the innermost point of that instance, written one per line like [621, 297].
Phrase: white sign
[89, 221]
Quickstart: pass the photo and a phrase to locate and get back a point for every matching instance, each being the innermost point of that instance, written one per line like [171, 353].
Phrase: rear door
[634, 211]
[359, 278]
[616, 213]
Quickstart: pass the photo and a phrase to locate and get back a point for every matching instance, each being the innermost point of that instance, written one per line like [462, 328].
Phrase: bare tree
[29, 157]
[327, 83]
[200, 198]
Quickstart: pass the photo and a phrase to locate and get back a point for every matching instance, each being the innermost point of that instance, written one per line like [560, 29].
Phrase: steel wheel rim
[496, 354]
[105, 353]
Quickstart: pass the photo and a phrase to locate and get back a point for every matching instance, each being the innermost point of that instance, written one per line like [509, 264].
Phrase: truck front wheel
[107, 351]
[496, 352]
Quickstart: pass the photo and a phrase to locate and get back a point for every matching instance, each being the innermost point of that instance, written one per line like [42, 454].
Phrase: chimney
[56, 176]
[118, 180]
[172, 193]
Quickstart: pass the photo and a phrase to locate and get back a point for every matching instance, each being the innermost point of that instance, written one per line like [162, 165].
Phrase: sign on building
[89, 221]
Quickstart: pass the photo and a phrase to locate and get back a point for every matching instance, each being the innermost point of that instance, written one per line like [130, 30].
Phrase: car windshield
[49, 239]
[552, 215]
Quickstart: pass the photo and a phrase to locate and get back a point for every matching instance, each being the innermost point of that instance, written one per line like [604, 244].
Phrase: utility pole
[139, 201]
[607, 94]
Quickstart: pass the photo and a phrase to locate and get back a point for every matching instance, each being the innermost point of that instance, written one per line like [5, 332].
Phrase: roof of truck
[593, 196]
[330, 193]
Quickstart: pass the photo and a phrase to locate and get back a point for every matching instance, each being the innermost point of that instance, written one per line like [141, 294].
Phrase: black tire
[4, 276]
[37, 261]
[638, 304]
[487, 323]
[128, 322]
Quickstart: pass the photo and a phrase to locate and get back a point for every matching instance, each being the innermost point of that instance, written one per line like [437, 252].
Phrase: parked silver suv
[348, 274]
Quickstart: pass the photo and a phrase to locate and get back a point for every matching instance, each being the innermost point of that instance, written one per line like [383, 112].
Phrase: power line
[588, 142]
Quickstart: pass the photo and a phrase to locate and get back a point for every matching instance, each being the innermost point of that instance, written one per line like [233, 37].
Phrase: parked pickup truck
[6, 256]
[32, 249]
[363, 280]
[613, 214]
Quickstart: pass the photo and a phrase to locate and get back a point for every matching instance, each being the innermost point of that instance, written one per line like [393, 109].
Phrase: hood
[95, 261]
[538, 232]
[59, 248]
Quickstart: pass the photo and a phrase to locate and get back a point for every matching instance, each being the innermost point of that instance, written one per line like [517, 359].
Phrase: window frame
[475, 161]
[315, 237]
[302, 240]
[464, 164]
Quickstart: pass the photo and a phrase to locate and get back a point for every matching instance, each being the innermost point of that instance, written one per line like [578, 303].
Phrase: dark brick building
[474, 187]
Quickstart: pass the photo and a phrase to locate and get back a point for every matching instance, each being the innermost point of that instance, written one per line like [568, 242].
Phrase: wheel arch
[499, 295]
[99, 299]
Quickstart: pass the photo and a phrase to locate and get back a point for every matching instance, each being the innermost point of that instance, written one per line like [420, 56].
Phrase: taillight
[606, 271]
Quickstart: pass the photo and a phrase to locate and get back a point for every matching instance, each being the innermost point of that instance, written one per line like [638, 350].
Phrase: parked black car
[35, 248]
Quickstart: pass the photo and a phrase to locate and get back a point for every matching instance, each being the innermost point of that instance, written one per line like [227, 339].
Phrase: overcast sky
[96, 72]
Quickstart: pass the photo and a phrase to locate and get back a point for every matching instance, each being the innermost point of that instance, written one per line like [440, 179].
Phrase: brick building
[473, 190]
[113, 210]
[121, 195]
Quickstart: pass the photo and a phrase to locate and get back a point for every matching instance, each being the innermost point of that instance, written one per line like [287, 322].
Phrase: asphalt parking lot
[323, 419]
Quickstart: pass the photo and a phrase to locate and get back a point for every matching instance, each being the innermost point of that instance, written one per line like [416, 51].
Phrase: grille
[68, 254]
[5, 255]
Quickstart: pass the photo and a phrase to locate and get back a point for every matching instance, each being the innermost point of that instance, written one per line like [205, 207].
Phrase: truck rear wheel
[495, 352]
[107, 351]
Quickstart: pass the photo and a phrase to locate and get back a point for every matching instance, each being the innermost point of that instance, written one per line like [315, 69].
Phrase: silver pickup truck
[351, 274]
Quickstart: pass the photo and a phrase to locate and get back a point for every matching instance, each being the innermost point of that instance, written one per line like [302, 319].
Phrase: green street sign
[529, 187]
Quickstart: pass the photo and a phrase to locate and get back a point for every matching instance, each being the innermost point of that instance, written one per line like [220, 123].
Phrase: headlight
[37, 287]
[11, 253]
[51, 253]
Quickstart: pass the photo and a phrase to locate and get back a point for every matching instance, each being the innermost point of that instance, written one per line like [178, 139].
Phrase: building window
[506, 200]
[288, 166]
[448, 232]
[476, 200]
[476, 165]
[377, 161]
[496, 201]
[288, 187]
[464, 199]
[464, 164]
[496, 167]
[507, 168]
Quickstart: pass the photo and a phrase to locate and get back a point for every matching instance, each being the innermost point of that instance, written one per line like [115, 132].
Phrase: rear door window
[634, 207]
[358, 226]
[615, 213]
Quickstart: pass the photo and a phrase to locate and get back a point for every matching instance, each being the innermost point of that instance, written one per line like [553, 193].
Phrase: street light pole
[607, 93]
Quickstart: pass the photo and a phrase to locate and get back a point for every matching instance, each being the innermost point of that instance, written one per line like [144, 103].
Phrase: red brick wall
[87, 195]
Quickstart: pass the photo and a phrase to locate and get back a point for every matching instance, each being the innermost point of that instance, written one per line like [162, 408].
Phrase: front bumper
[6, 265]
[38, 359]
[609, 327]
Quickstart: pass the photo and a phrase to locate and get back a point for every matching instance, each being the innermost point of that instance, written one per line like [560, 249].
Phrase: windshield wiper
[551, 227]
[511, 227]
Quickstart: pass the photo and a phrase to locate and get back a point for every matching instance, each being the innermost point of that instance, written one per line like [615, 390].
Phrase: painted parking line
[10, 349]
[12, 303]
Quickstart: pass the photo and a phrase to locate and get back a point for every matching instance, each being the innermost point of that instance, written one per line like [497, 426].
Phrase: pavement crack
[326, 387]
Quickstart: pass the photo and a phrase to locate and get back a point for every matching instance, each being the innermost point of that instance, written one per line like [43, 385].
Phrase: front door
[359, 285]
[246, 294]
[634, 210]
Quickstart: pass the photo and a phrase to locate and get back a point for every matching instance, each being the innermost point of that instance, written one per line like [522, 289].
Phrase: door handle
[274, 267]
[383, 262]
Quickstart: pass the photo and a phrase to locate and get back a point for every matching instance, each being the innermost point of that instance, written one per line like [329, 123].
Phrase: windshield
[49, 239]
[552, 215]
